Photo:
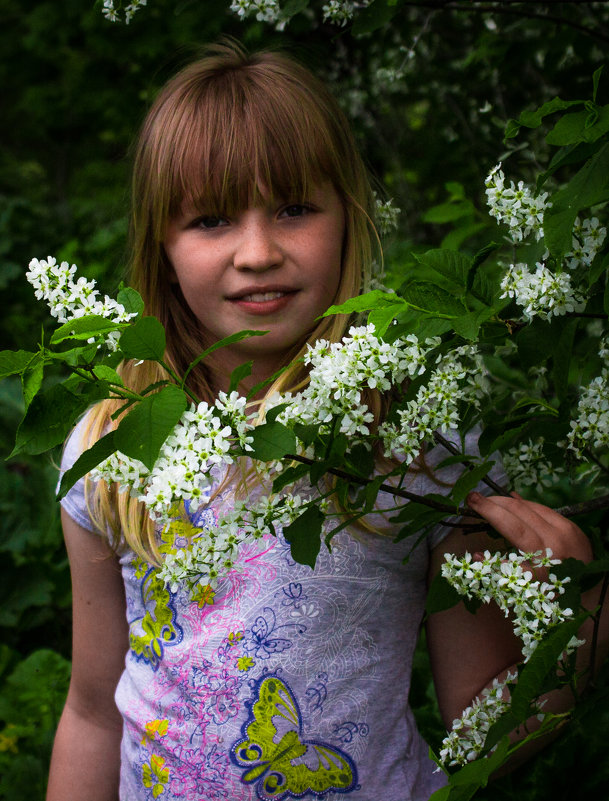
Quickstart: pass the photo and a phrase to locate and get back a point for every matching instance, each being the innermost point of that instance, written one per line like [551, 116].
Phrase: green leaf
[31, 379]
[370, 300]
[528, 401]
[374, 16]
[106, 373]
[131, 300]
[589, 186]
[304, 536]
[595, 80]
[563, 351]
[441, 595]
[222, 343]
[468, 325]
[448, 263]
[289, 476]
[87, 460]
[144, 339]
[382, 318]
[491, 441]
[142, 432]
[293, 7]
[533, 119]
[574, 128]
[238, 374]
[13, 362]
[448, 212]
[534, 674]
[430, 298]
[48, 420]
[74, 356]
[272, 441]
[468, 480]
[92, 325]
[478, 773]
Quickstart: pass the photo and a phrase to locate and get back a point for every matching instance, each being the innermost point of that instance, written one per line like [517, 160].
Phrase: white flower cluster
[110, 12]
[386, 215]
[459, 377]
[541, 293]
[264, 10]
[526, 466]
[532, 604]
[202, 440]
[590, 429]
[215, 554]
[588, 238]
[339, 11]
[340, 371]
[466, 739]
[511, 584]
[515, 205]
[69, 299]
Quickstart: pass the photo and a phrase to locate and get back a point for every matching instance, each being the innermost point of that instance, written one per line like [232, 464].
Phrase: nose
[257, 247]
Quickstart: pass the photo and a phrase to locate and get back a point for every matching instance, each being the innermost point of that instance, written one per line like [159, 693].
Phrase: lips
[261, 294]
[260, 297]
[262, 300]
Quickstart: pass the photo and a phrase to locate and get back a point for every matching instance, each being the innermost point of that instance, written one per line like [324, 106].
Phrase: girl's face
[271, 267]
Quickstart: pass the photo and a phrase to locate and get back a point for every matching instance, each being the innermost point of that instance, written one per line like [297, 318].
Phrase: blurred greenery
[75, 88]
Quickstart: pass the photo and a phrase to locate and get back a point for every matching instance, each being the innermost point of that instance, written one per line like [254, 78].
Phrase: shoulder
[76, 502]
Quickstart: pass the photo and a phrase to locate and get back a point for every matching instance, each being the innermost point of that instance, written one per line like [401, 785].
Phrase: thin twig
[400, 493]
[445, 443]
[584, 506]
[503, 8]
[594, 458]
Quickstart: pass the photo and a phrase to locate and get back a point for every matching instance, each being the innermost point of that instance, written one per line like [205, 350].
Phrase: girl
[251, 209]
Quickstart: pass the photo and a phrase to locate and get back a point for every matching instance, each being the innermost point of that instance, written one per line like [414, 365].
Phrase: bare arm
[469, 651]
[86, 759]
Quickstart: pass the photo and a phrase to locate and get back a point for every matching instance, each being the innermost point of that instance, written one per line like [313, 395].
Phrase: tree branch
[503, 7]
[445, 443]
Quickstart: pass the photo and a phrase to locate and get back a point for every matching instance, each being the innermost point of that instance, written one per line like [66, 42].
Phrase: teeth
[260, 297]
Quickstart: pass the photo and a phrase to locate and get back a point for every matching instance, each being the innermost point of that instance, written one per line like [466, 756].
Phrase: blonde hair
[223, 127]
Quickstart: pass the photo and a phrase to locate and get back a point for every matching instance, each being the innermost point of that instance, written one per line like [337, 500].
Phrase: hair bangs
[248, 139]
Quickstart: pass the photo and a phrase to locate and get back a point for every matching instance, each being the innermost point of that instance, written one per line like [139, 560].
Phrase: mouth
[261, 297]
[263, 300]
[261, 294]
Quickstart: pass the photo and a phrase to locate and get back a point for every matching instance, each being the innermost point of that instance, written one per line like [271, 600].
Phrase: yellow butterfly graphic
[285, 765]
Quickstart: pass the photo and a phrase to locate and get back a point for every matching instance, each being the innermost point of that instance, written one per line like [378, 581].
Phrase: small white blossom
[526, 466]
[541, 293]
[588, 238]
[386, 215]
[264, 10]
[532, 604]
[590, 428]
[516, 206]
[110, 12]
[69, 299]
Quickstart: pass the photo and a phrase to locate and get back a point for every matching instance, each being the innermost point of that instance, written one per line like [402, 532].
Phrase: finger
[520, 525]
[548, 515]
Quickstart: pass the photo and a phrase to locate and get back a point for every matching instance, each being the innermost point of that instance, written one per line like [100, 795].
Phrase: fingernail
[473, 498]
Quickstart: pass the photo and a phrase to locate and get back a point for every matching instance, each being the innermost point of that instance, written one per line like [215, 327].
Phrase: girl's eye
[295, 210]
[209, 222]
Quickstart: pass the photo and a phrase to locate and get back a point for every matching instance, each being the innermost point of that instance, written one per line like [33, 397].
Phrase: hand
[531, 526]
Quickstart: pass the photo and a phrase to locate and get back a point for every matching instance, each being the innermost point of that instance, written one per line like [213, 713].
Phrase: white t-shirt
[285, 682]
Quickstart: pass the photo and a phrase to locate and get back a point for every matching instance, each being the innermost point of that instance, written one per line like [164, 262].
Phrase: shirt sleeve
[75, 502]
[450, 474]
